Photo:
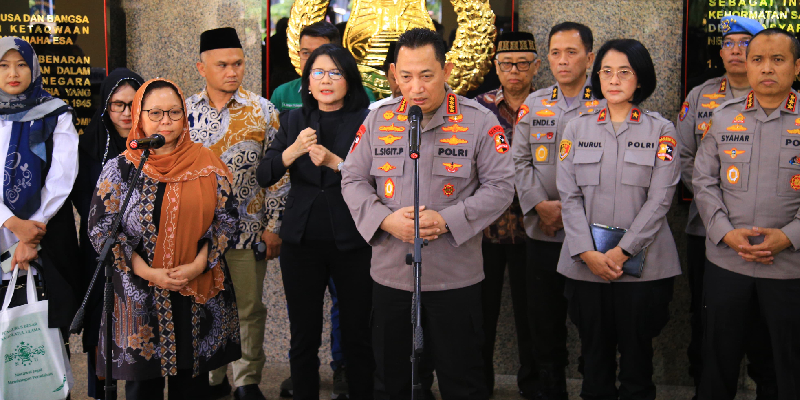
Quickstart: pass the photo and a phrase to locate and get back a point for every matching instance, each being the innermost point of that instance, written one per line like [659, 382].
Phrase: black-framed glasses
[522, 66]
[623, 74]
[728, 44]
[157, 115]
[318, 73]
[119, 106]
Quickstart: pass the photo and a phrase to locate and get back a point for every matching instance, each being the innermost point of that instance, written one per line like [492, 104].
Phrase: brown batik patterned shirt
[508, 229]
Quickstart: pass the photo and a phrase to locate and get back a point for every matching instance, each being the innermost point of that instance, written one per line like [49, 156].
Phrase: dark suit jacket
[306, 179]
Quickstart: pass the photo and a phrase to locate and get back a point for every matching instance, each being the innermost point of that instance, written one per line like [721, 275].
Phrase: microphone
[152, 142]
[415, 116]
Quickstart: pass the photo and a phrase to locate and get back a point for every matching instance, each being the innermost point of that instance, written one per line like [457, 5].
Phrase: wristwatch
[339, 166]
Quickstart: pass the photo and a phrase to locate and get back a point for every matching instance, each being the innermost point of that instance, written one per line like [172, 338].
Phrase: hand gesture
[186, 272]
[774, 242]
[321, 156]
[23, 255]
[738, 240]
[27, 231]
[549, 217]
[431, 224]
[602, 265]
[399, 225]
[301, 145]
[273, 242]
[161, 278]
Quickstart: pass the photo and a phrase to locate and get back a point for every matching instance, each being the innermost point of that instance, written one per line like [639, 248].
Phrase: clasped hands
[774, 242]
[306, 143]
[400, 224]
[173, 279]
[30, 234]
[608, 265]
[549, 217]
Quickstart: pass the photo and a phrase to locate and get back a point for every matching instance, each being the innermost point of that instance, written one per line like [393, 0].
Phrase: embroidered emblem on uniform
[734, 152]
[592, 103]
[388, 188]
[714, 96]
[495, 129]
[554, 95]
[795, 182]
[539, 135]
[452, 167]
[684, 110]
[500, 143]
[389, 139]
[793, 131]
[545, 113]
[563, 149]
[455, 128]
[523, 111]
[702, 126]
[739, 119]
[602, 116]
[357, 140]
[388, 115]
[401, 108]
[635, 114]
[587, 93]
[732, 174]
[791, 102]
[794, 161]
[711, 105]
[736, 128]
[797, 122]
[448, 189]
[666, 148]
[548, 103]
[387, 167]
[402, 118]
[453, 141]
[452, 104]
[392, 128]
[588, 111]
[457, 118]
[550, 135]
[723, 85]
[541, 153]
[708, 128]
[750, 102]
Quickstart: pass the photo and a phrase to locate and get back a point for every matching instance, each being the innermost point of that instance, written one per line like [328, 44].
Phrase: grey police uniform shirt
[623, 179]
[747, 173]
[693, 119]
[466, 174]
[540, 125]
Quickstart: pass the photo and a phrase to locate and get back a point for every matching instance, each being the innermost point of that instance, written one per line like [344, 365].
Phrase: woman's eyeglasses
[119, 106]
[623, 74]
[157, 115]
[318, 74]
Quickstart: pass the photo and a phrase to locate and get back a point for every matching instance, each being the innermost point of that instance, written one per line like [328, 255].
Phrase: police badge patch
[684, 110]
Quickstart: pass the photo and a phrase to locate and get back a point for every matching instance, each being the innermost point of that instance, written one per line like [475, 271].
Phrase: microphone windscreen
[415, 112]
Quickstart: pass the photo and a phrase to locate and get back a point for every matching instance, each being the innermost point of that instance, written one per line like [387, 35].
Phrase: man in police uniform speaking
[466, 182]
[540, 124]
[747, 188]
[694, 117]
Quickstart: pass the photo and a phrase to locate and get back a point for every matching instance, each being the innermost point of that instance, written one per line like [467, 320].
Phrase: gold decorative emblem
[373, 24]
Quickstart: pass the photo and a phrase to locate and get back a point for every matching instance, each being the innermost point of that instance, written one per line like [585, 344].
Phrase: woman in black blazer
[320, 240]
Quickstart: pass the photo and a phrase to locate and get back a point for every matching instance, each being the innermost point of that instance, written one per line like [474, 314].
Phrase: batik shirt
[240, 134]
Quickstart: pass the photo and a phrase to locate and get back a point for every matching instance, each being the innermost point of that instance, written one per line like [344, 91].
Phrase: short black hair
[322, 29]
[390, 52]
[159, 85]
[640, 61]
[586, 34]
[421, 37]
[778, 31]
[356, 97]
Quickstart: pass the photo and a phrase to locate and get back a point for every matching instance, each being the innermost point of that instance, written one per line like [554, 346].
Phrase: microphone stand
[415, 259]
[108, 289]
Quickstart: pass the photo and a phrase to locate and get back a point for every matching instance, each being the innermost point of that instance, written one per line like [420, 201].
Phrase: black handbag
[19, 297]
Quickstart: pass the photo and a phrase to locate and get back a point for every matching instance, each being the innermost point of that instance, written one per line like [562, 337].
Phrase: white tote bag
[34, 360]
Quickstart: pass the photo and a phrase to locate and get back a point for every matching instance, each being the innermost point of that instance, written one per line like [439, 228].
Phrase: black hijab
[100, 140]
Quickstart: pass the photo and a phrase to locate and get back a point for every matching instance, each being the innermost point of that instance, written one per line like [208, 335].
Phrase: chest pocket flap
[638, 167]
[587, 167]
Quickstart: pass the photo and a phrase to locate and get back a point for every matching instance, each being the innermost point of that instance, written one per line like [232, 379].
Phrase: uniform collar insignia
[636, 115]
[452, 103]
[587, 93]
[554, 95]
[723, 85]
[602, 116]
[403, 107]
[751, 101]
[791, 102]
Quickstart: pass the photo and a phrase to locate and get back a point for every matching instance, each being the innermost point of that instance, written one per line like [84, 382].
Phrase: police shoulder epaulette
[545, 92]
[730, 102]
[655, 115]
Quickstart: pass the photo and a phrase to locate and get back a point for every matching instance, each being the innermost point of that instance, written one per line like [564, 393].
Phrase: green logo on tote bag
[25, 354]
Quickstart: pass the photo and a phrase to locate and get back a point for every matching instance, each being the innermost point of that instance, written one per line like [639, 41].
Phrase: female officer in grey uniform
[619, 167]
